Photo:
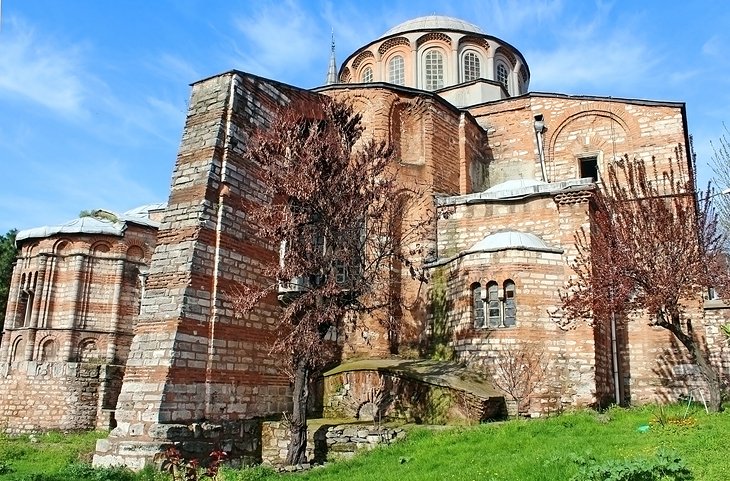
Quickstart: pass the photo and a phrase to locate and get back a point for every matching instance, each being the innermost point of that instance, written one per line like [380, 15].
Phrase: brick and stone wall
[440, 150]
[577, 127]
[193, 358]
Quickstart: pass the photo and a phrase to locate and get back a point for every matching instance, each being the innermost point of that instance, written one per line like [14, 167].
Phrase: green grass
[20, 457]
[554, 449]
[540, 450]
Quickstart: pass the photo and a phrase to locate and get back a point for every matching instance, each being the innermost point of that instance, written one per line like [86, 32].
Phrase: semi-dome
[511, 240]
[433, 22]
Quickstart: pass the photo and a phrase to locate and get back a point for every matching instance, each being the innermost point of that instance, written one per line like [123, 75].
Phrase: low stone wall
[325, 441]
[63, 396]
[240, 439]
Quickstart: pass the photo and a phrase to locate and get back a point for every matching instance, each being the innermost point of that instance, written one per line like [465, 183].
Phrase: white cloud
[38, 71]
[175, 68]
[68, 188]
[281, 37]
[604, 65]
[714, 47]
[585, 53]
[509, 16]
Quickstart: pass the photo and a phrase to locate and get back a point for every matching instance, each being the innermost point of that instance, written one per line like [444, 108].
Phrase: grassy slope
[541, 450]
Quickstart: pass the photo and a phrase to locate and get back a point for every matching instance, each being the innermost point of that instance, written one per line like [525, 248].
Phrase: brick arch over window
[434, 36]
[623, 124]
[600, 109]
[17, 353]
[475, 41]
[392, 42]
[362, 56]
[135, 253]
[62, 246]
[345, 76]
[508, 56]
[100, 248]
[88, 350]
[48, 350]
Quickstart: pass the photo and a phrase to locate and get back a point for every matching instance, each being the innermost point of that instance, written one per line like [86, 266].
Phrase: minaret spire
[332, 70]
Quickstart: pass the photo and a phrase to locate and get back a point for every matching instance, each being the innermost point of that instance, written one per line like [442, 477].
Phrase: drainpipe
[614, 359]
[540, 128]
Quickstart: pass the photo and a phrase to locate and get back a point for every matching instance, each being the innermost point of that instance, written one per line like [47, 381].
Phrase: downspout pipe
[540, 129]
[614, 359]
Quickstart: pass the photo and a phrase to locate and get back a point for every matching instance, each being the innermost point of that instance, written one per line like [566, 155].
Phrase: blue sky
[93, 93]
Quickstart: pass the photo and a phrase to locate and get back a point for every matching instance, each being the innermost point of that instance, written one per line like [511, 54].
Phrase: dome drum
[437, 52]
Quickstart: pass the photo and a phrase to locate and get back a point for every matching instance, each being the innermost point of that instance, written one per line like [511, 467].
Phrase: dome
[510, 240]
[433, 22]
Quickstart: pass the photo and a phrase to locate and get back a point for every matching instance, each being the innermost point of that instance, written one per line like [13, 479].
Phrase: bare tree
[517, 371]
[334, 204]
[721, 168]
[653, 247]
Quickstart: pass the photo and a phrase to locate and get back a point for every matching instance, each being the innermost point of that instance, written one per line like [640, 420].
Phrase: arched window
[18, 352]
[49, 350]
[88, 351]
[471, 68]
[367, 75]
[494, 309]
[477, 304]
[503, 75]
[434, 70]
[510, 308]
[396, 70]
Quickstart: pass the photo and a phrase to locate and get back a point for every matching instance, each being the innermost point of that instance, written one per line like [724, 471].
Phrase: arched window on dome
[477, 304]
[396, 70]
[471, 67]
[367, 75]
[502, 74]
[433, 70]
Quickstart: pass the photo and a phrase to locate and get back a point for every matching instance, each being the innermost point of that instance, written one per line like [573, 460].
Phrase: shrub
[666, 466]
[5, 468]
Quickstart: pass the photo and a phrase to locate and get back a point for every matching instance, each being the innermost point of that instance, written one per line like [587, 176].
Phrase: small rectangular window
[712, 294]
[589, 168]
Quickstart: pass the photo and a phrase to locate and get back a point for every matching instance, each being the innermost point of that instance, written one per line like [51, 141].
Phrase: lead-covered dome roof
[433, 22]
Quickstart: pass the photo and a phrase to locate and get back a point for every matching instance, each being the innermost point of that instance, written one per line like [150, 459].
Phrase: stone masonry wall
[325, 442]
[54, 396]
[370, 395]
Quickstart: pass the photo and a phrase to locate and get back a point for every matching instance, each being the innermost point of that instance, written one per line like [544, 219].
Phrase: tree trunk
[710, 376]
[297, 453]
[702, 360]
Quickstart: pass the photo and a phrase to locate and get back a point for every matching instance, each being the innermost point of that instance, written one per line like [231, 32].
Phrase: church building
[514, 169]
